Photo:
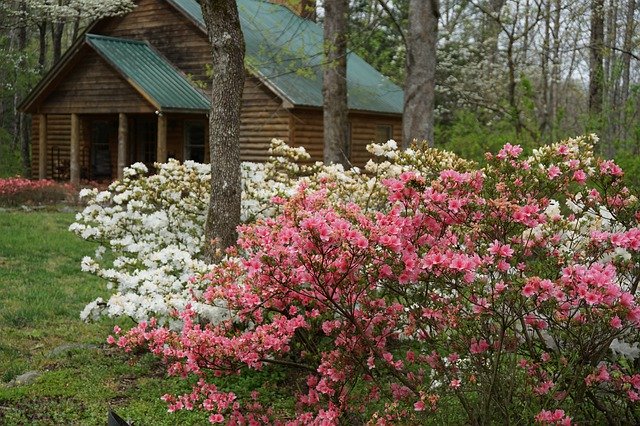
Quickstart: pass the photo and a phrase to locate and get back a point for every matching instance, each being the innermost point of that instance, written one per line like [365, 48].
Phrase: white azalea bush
[151, 227]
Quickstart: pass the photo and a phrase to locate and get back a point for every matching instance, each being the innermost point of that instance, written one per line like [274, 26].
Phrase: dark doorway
[100, 150]
[194, 141]
[145, 141]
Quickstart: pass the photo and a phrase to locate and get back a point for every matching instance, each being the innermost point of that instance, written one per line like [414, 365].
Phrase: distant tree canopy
[533, 70]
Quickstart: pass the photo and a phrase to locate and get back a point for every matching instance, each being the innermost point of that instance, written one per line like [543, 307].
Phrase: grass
[42, 291]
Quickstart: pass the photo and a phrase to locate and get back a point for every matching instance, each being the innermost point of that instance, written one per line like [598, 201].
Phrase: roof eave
[367, 111]
[355, 111]
[171, 110]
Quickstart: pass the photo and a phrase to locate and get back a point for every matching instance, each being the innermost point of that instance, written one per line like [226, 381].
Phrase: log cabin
[134, 88]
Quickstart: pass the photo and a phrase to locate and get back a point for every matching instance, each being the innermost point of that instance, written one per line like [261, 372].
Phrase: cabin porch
[98, 147]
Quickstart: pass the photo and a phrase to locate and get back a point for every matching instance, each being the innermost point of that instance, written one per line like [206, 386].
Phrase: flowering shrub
[16, 191]
[154, 225]
[500, 293]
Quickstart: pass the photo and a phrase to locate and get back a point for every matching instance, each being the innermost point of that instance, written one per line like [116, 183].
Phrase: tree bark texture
[627, 46]
[420, 84]
[596, 50]
[227, 54]
[42, 46]
[334, 88]
[491, 27]
[57, 30]
[22, 119]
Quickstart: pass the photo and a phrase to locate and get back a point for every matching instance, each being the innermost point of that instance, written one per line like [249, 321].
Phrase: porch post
[123, 136]
[42, 146]
[161, 154]
[75, 150]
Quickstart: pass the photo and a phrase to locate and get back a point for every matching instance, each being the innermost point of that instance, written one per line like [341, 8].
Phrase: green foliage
[374, 36]
[10, 164]
[469, 138]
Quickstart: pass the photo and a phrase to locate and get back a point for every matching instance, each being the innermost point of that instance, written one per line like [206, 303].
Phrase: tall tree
[596, 52]
[21, 129]
[227, 55]
[627, 46]
[420, 84]
[334, 88]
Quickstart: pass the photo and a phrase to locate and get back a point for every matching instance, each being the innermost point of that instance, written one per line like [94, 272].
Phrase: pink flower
[563, 149]
[580, 176]
[528, 290]
[553, 172]
[216, 418]
[498, 249]
[616, 322]
[478, 346]
[419, 406]
[543, 388]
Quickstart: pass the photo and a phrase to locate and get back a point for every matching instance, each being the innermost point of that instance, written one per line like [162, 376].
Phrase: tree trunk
[420, 84]
[513, 84]
[57, 29]
[22, 133]
[334, 87]
[596, 48]
[76, 29]
[227, 54]
[491, 27]
[545, 124]
[627, 45]
[612, 75]
[42, 46]
[555, 72]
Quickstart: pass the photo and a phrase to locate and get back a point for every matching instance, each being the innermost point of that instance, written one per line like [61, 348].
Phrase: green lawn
[42, 292]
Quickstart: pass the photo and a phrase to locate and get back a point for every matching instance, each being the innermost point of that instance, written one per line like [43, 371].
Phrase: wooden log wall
[363, 132]
[58, 145]
[308, 132]
[262, 118]
[94, 87]
[168, 31]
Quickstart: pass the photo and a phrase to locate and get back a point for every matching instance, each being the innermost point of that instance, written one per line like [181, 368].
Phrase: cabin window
[194, 141]
[383, 133]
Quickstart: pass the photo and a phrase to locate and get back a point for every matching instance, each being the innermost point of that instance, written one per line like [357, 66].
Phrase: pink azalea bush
[503, 294]
[17, 190]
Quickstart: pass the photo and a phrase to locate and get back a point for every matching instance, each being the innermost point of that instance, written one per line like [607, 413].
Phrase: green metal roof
[153, 76]
[285, 50]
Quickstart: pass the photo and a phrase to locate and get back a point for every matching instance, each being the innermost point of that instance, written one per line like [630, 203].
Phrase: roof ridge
[118, 39]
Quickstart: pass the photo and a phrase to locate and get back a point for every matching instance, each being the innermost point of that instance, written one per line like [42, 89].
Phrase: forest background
[520, 71]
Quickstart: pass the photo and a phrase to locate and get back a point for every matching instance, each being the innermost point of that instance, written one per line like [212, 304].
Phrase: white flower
[620, 347]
